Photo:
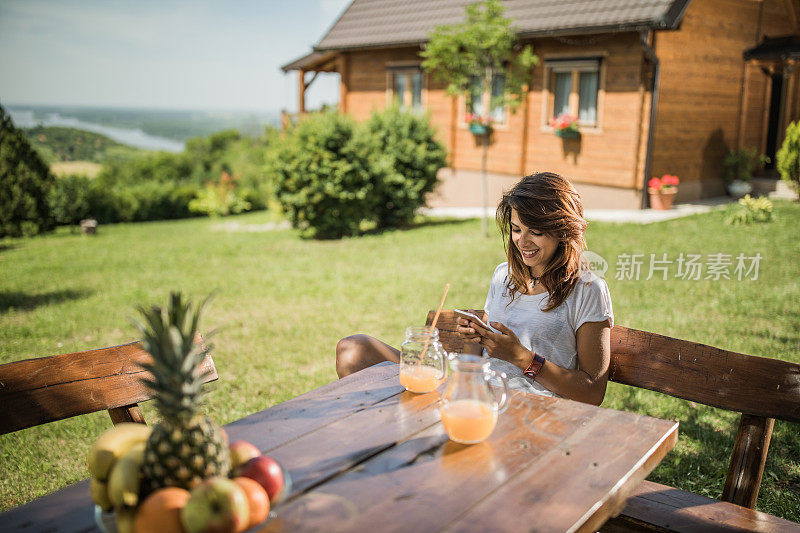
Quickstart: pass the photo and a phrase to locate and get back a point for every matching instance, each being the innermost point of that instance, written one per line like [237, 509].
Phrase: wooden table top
[364, 455]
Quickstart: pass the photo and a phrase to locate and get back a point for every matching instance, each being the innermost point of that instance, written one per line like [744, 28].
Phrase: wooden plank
[339, 399]
[667, 508]
[603, 449]
[747, 460]
[67, 510]
[422, 469]
[734, 381]
[36, 391]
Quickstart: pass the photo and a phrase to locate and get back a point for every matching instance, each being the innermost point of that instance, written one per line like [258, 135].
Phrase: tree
[481, 48]
[788, 157]
[25, 183]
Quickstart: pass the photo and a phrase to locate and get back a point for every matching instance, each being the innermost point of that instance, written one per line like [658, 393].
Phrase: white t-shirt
[551, 334]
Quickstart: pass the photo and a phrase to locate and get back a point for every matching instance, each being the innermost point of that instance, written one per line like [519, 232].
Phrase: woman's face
[536, 248]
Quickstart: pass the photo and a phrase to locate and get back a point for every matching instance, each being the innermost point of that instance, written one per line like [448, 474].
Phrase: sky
[164, 54]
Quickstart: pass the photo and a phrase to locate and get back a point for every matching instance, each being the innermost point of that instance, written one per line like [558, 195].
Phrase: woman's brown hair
[548, 203]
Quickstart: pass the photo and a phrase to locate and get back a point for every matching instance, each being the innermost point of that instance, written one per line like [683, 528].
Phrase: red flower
[654, 183]
[564, 122]
[670, 181]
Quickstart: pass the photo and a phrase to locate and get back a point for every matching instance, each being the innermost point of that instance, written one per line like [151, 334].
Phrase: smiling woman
[551, 316]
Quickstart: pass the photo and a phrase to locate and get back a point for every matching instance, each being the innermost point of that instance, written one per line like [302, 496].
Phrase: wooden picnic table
[364, 455]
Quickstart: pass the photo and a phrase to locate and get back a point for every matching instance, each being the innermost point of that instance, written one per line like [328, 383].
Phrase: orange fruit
[257, 499]
[161, 511]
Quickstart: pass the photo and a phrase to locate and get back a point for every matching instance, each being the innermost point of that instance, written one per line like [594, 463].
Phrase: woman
[552, 315]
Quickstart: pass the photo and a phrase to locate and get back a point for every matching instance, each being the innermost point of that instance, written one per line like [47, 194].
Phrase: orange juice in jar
[422, 360]
[420, 378]
[469, 407]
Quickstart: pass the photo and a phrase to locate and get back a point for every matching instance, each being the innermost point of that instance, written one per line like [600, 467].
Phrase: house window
[574, 87]
[481, 100]
[406, 86]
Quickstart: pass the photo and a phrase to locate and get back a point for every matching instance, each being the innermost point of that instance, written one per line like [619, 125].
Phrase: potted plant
[565, 126]
[478, 124]
[662, 191]
[739, 165]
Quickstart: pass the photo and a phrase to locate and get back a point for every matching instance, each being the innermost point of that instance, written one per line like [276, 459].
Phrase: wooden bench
[758, 388]
[46, 389]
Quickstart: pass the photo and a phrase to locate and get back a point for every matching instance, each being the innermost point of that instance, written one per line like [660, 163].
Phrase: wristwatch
[536, 365]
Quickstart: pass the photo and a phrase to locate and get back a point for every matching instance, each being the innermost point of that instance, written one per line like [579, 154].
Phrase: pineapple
[186, 446]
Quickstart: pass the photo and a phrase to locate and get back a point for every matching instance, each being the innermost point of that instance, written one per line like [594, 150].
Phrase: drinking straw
[433, 324]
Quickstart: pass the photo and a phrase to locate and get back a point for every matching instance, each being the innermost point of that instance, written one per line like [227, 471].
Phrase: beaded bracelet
[537, 362]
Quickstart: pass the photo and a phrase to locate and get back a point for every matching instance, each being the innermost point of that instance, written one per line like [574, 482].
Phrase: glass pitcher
[469, 406]
[423, 361]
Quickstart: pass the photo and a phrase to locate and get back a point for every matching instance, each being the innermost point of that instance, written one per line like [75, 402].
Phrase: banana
[112, 444]
[125, 477]
[125, 517]
[99, 492]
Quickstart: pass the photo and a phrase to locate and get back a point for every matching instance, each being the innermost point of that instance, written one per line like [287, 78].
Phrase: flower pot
[662, 199]
[477, 129]
[739, 188]
[567, 134]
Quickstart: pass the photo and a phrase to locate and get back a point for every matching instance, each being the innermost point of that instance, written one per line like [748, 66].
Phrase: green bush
[141, 202]
[25, 183]
[750, 210]
[69, 199]
[219, 199]
[406, 157]
[323, 180]
[788, 157]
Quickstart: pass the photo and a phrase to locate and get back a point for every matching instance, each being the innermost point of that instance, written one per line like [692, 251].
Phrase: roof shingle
[372, 23]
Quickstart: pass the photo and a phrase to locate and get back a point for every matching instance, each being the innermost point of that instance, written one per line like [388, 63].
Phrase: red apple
[216, 505]
[267, 472]
[241, 452]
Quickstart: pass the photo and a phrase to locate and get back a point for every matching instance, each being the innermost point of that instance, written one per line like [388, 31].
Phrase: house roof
[318, 61]
[377, 23]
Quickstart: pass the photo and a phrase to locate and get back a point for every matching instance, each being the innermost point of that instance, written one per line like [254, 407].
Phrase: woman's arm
[587, 383]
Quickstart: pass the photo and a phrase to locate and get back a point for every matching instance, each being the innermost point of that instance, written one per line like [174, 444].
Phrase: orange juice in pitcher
[469, 406]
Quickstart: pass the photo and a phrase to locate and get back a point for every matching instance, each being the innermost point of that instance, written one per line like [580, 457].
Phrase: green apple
[241, 452]
[216, 505]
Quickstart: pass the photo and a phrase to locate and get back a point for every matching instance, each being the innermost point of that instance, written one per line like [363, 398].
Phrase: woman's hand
[502, 344]
[505, 345]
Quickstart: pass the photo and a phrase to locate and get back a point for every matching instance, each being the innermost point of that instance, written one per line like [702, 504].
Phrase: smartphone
[474, 318]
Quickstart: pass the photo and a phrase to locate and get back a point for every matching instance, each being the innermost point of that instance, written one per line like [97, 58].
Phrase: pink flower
[654, 183]
[670, 181]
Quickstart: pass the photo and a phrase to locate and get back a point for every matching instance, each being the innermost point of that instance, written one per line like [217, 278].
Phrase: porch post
[301, 95]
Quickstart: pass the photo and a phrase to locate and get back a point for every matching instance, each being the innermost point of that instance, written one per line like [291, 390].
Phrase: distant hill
[176, 125]
[56, 144]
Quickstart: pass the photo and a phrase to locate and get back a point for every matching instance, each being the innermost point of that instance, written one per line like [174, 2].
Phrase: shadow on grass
[5, 246]
[10, 300]
[425, 223]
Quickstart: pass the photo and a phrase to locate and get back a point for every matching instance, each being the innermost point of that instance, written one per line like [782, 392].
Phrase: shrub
[405, 159]
[219, 199]
[750, 210]
[69, 199]
[322, 176]
[25, 183]
[739, 164]
[141, 202]
[788, 157]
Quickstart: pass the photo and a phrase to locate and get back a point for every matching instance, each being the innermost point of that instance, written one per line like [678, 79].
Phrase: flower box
[477, 129]
[567, 134]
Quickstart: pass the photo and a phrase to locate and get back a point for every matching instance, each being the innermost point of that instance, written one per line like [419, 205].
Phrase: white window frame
[486, 98]
[573, 65]
[406, 69]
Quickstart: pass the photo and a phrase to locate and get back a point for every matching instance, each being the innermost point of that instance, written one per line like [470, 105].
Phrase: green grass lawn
[283, 302]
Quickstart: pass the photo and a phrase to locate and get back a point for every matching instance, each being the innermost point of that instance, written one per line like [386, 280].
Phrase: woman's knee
[350, 354]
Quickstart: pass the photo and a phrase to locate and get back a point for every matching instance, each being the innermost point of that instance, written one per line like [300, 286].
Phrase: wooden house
[659, 86]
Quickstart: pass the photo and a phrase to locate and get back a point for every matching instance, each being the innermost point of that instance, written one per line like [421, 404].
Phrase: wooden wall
[709, 101]
[607, 155]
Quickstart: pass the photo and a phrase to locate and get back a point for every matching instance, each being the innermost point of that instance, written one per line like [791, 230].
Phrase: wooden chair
[37, 391]
[758, 388]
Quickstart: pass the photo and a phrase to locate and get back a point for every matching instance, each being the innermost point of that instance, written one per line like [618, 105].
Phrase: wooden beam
[344, 73]
[301, 93]
[747, 460]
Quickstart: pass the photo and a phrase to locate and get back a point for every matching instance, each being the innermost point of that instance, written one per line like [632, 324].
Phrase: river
[131, 137]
